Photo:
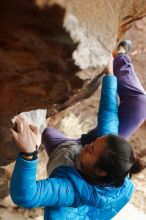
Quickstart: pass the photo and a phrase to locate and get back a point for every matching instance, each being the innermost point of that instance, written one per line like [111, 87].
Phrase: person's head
[108, 160]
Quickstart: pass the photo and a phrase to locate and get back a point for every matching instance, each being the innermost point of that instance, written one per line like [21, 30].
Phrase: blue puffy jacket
[66, 195]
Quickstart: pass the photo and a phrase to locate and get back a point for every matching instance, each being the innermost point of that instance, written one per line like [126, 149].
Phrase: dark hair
[118, 161]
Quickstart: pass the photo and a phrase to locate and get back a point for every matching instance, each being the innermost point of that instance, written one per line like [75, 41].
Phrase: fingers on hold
[14, 133]
[21, 118]
[19, 124]
[34, 128]
[24, 122]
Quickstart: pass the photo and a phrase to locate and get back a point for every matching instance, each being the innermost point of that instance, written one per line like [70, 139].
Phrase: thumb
[14, 133]
[34, 128]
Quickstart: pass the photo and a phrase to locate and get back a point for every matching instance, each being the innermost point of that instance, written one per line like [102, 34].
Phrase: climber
[89, 177]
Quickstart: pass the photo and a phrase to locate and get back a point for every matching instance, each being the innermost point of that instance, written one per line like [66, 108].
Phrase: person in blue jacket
[89, 178]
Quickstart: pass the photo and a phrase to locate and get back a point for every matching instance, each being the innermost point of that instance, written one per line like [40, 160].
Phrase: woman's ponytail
[138, 166]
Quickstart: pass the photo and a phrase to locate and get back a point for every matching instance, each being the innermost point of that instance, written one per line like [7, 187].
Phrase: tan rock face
[36, 69]
[36, 48]
[4, 183]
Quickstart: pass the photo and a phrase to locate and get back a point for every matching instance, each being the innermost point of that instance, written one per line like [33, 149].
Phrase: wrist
[30, 155]
[109, 73]
[26, 157]
[27, 150]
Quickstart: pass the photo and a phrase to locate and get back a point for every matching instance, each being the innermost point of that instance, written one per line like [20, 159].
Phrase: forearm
[108, 109]
[24, 189]
[107, 121]
[23, 181]
[29, 193]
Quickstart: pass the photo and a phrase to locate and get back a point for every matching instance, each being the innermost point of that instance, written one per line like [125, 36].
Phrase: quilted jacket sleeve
[25, 191]
[108, 121]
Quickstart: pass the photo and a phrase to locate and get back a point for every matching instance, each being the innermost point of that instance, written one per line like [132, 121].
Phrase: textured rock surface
[36, 47]
[4, 183]
[36, 70]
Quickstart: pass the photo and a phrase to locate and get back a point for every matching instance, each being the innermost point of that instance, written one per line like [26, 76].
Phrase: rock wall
[44, 48]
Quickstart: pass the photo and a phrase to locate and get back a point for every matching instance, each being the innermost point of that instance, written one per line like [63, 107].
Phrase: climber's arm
[26, 192]
[108, 121]
[24, 189]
